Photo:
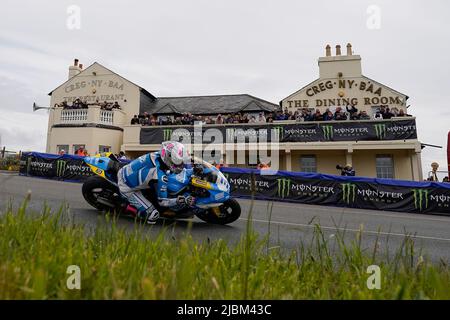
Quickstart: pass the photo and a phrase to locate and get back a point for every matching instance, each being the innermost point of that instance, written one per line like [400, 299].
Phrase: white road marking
[352, 230]
[398, 215]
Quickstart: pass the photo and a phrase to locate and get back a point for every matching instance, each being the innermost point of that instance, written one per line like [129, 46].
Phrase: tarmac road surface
[286, 224]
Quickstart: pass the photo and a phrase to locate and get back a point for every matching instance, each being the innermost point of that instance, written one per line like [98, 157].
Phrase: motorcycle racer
[153, 167]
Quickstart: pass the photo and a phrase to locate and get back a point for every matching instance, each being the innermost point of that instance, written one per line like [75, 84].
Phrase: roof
[209, 104]
[96, 63]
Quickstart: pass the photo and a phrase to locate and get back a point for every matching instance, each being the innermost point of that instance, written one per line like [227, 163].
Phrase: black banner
[296, 132]
[341, 191]
[67, 167]
[352, 192]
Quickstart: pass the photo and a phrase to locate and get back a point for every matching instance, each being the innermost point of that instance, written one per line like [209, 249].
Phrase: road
[286, 224]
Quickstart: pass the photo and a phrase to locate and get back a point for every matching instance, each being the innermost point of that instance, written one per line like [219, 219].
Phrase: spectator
[387, 114]
[116, 106]
[122, 156]
[328, 115]
[445, 179]
[219, 119]
[81, 151]
[318, 116]
[261, 117]
[353, 111]
[339, 114]
[347, 170]
[401, 113]
[378, 115]
[363, 115]
[252, 119]
[135, 120]
[62, 152]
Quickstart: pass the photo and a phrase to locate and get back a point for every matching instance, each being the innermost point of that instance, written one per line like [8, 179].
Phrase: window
[385, 166]
[102, 149]
[77, 146]
[61, 147]
[308, 163]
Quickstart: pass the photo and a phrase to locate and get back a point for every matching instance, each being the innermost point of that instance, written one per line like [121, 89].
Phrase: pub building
[374, 147]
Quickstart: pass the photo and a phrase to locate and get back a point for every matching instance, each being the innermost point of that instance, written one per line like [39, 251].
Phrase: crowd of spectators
[304, 114]
[78, 104]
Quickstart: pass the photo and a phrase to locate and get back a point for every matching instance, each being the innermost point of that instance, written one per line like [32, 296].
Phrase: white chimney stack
[75, 69]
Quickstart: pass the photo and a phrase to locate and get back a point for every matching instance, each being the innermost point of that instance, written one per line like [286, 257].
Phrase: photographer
[347, 170]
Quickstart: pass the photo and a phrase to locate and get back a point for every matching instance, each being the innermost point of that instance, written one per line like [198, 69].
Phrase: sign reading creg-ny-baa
[93, 86]
[342, 92]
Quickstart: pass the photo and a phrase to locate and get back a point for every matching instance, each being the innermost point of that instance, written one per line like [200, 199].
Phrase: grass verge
[36, 250]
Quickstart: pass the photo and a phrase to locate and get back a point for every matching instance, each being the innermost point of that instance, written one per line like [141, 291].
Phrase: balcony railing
[107, 117]
[91, 115]
[74, 116]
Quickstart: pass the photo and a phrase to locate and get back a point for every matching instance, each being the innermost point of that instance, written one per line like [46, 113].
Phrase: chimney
[328, 50]
[338, 50]
[81, 66]
[349, 49]
[75, 69]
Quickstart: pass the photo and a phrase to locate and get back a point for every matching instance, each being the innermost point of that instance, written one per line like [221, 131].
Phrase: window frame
[310, 156]
[381, 170]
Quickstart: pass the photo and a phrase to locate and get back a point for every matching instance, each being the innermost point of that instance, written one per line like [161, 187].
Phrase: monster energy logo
[60, 168]
[348, 192]
[420, 196]
[380, 130]
[279, 132]
[327, 132]
[167, 134]
[284, 187]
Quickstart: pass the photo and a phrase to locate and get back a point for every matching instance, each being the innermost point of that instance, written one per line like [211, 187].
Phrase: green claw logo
[380, 130]
[420, 199]
[60, 168]
[348, 192]
[167, 134]
[328, 132]
[279, 132]
[284, 188]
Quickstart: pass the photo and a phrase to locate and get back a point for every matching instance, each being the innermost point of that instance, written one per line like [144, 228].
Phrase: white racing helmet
[175, 155]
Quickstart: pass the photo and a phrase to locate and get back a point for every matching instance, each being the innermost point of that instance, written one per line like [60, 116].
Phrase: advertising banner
[296, 132]
[308, 188]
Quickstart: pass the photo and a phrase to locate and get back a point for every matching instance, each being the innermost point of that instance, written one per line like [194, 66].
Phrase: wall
[92, 137]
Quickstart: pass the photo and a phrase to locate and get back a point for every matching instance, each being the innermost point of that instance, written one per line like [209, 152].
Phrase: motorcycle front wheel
[229, 212]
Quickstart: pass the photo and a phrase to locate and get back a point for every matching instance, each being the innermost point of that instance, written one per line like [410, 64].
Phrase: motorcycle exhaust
[106, 203]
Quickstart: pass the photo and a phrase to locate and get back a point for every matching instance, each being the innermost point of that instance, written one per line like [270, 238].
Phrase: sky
[199, 47]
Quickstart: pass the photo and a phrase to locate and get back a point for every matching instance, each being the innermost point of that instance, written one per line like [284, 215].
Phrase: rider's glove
[189, 200]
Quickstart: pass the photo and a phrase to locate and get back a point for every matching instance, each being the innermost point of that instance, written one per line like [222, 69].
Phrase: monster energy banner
[363, 193]
[309, 188]
[66, 167]
[295, 132]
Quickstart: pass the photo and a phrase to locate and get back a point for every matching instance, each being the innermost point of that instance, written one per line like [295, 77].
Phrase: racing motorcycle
[203, 181]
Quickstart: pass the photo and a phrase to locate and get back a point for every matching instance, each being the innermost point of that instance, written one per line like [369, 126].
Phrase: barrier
[309, 188]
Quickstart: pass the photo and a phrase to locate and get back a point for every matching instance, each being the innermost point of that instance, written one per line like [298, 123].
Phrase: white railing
[106, 117]
[74, 116]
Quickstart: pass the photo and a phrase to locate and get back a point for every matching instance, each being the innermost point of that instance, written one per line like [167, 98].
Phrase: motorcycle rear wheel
[230, 211]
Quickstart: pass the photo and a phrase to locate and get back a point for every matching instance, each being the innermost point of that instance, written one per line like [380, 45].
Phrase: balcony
[396, 133]
[91, 115]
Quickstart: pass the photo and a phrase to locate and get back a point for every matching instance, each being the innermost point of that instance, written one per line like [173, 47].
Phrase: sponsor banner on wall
[308, 188]
[298, 132]
[363, 193]
[67, 167]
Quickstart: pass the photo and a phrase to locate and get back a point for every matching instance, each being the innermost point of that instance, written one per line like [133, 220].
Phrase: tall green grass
[36, 249]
